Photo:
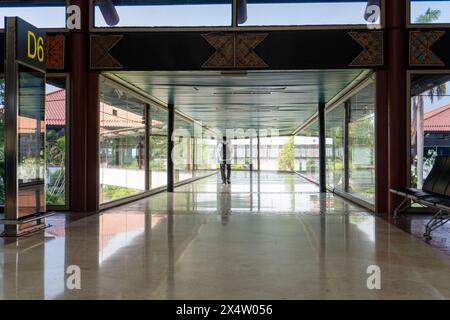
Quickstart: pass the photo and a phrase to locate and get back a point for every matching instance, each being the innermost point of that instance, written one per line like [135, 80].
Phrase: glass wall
[428, 12]
[277, 154]
[430, 123]
[205, 145]
[56, 144]
[122, 144]
[157, 147]
[301, 12]
[132, 162]
[31, 143]
[334, 131]
[307, 142]
[183, 153]
[163, 13]
[40, 13]
[242, 156]
[362, 144]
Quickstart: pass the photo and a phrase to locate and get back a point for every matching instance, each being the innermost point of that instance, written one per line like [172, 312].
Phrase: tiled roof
[110, 117]
[438, 119]
[55, 108]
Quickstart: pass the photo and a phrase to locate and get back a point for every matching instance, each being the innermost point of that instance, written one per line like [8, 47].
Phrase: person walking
[224, 156]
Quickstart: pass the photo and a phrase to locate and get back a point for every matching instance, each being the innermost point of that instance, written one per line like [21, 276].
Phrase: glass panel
[335, 146]
[183, 149]
[277, 153]
[425, 12]
[158, 147]
[41, 14]
[362, 144]
[122, 144]
[430, 124]
[307, 142]
[2, 142]
[302, 12]
[205, 151]
[55, 119]
[163, 13]
[31, 146]
[241, 154]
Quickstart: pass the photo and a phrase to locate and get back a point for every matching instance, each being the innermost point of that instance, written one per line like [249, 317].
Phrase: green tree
[429, 16]
[286, 157]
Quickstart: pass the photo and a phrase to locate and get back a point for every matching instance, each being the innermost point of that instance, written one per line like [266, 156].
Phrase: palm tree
[429, 16]
[417, 130]
[417, 121]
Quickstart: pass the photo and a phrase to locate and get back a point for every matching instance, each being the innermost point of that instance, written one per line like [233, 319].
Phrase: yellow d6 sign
[35, 47]
[31, 45]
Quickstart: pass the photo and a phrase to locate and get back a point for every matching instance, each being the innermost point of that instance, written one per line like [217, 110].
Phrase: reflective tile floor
[267, 236]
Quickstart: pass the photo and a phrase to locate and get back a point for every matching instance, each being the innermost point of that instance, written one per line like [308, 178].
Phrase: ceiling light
[234, 74]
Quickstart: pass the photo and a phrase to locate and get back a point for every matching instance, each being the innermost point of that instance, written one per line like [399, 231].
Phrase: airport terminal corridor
[268, 235]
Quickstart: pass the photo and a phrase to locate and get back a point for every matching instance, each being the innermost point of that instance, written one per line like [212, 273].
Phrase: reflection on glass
[285, 13]
[122, 144]
[169, 13]
[182, 155]
[205, 151]
[334, 131]
[307, 141]
[158, 147]
[430, 124]
[426, 12]
[31, 147]
[55, 119]
[362, 144]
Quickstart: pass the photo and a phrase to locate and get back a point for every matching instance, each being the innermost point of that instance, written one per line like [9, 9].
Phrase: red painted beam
[396, 97]
[84, 123]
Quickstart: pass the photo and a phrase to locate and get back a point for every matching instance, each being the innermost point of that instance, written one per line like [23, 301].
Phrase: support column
[347, 109]
[258, 151]
[170, 129]
[251, 154]
[396, 98]
[322, 149]
[84, 116]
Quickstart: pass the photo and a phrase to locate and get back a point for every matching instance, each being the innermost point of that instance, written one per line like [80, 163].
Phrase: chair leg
[401, 207]
[438, 220]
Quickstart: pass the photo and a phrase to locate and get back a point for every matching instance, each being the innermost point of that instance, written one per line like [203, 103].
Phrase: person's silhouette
[224, 157]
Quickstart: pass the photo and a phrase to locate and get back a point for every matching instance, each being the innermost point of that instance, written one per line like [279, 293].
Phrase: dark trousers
[222, 171]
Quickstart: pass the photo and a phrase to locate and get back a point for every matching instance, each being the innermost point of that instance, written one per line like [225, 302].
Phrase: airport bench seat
[435, 194]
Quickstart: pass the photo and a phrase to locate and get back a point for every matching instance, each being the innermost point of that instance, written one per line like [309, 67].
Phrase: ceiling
[282, 100]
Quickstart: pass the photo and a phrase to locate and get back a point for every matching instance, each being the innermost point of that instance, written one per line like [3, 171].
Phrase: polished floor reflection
[267, 236]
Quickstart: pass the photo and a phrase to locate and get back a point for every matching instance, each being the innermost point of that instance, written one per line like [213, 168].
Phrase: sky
[220, 15]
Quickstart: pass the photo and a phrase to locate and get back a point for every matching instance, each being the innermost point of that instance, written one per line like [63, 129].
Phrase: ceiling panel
[281, 100]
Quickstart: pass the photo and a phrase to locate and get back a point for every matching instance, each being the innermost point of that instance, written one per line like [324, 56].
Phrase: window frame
[411, 25]
[66, 206]
[56, 30]
[233, 27]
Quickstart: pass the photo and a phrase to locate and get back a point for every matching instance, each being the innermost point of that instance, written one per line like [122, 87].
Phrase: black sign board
[31, 45]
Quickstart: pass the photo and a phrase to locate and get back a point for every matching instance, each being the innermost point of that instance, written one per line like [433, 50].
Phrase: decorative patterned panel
[100, 48]
[235, 50]
[55, 52]
[420, 43]
[373, 48]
